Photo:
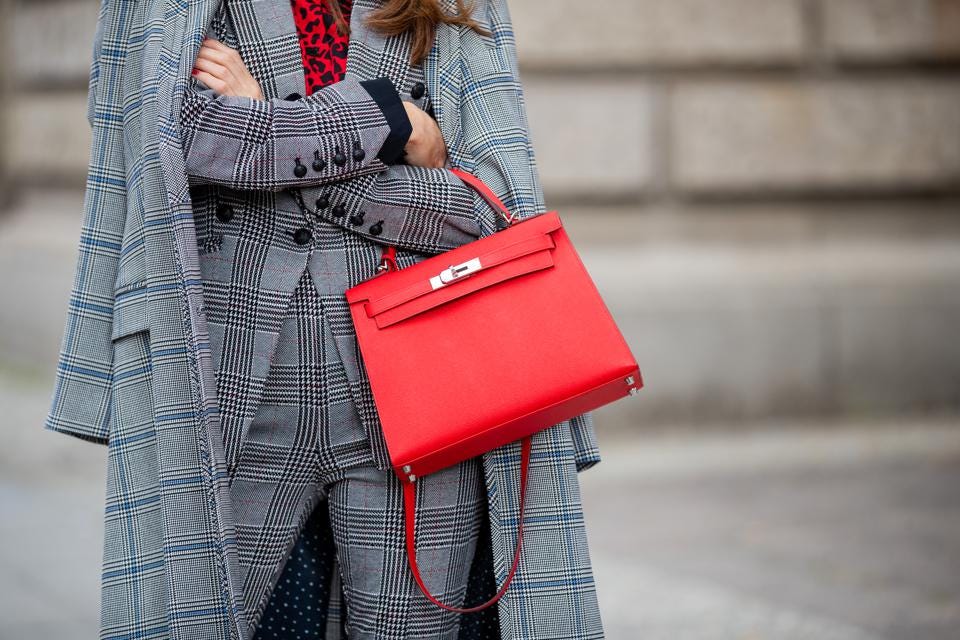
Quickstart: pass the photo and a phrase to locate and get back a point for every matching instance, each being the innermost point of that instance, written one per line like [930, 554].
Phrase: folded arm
[420, 209]
[431, 210]
[348, 129]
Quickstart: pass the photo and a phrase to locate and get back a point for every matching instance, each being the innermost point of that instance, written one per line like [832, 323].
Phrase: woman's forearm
[345, 130]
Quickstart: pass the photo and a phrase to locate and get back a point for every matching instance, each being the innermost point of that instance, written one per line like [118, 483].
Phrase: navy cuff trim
[385, 95]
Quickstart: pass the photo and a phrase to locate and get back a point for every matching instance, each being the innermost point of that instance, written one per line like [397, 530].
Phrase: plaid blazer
[135, 370]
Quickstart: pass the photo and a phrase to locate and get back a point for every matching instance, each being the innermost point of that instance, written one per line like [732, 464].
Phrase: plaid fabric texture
[305, 444]
[136, 370]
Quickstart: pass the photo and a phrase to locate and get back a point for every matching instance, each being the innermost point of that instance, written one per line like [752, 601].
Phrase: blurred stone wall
[744, 98]
[767, 192]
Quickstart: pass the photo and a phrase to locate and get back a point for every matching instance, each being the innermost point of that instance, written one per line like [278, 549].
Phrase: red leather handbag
[483, 345]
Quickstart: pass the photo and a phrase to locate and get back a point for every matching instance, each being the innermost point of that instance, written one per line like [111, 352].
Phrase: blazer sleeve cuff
[385, 95]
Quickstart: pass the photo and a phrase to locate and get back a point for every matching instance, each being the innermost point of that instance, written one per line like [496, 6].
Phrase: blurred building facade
[767, 192]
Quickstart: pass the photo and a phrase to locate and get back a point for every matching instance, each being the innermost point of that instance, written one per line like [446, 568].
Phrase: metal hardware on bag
[387, 257]
[634, 391]
[454, 272]
[406, 468]
[412, 477]
[629, 379]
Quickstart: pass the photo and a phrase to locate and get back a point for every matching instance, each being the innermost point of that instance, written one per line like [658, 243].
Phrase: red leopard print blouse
[323, 48]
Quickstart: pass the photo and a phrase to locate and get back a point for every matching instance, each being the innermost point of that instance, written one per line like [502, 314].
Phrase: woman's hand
[221, 68]
[425, 147]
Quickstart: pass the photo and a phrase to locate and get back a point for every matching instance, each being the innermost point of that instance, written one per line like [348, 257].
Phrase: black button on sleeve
[299, 169]
[319, 164]
[339, 210]
[417, 90]
[293, 96]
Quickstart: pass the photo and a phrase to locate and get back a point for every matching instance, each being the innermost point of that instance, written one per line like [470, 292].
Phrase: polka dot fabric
[298, 607]
[481, 586]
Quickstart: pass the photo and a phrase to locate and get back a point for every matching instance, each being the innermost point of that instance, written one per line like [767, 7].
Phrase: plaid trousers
[305, 444]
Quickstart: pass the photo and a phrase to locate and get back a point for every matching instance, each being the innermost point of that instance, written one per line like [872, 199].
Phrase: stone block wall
[677, 98]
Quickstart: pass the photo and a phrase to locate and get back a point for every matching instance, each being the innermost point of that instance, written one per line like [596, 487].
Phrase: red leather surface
[489, 364]
[509, 257]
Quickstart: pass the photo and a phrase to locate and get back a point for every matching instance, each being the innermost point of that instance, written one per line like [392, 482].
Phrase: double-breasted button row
[339, 211]
[225, 213]
[303, 235]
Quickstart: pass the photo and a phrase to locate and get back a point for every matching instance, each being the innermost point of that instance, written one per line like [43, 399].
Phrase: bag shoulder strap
[409, 504]
[486, 193]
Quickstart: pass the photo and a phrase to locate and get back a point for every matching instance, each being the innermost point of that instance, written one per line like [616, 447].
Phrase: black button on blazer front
[302, 235]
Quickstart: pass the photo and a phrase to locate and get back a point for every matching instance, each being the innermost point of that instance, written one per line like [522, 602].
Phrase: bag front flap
[490, 260]
[480, 272]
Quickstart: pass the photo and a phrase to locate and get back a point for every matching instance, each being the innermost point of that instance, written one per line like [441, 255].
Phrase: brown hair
[420, 17]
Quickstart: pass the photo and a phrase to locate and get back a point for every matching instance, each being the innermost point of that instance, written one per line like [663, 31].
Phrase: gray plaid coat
[135, 371]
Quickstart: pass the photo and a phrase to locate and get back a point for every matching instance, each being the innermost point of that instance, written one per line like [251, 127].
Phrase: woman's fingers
[217, 65]
[222, 55]
[225, 64]
[211, 67]
[226, 84]
[216, 44]
[211, 81]
[426, 146]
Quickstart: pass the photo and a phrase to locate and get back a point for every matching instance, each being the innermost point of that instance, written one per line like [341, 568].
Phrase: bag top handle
[388, 257]
[484, 192]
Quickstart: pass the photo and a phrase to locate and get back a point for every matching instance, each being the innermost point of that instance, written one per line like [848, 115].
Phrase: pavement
[782, 532]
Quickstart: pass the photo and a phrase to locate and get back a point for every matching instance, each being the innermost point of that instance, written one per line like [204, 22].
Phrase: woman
[304, 421]
[250, 206]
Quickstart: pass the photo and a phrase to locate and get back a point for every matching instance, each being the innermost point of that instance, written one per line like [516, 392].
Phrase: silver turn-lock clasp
[454, 272]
